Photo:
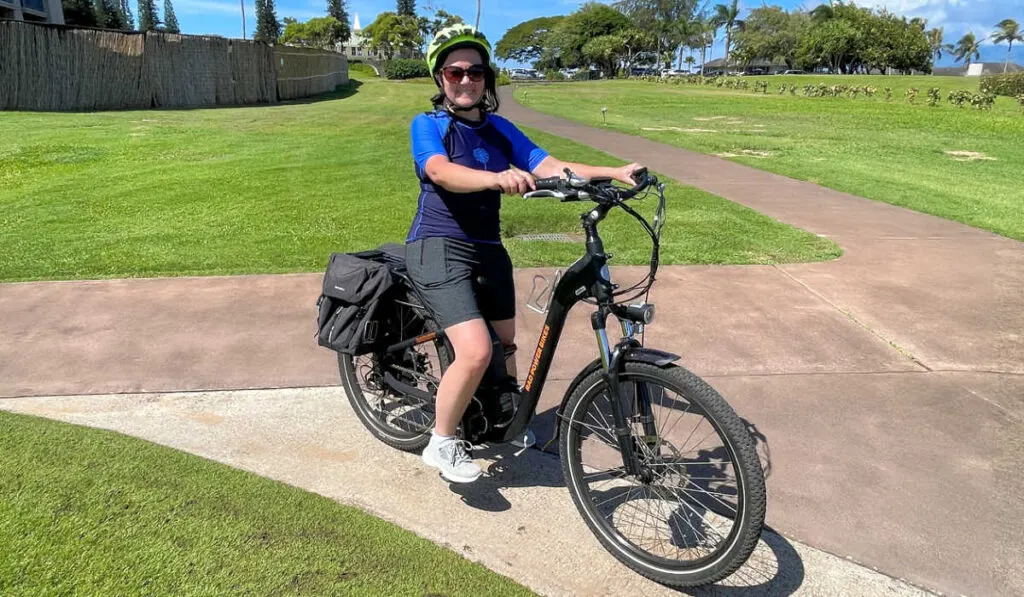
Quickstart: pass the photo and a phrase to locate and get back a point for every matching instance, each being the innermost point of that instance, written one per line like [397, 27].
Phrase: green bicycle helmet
[453, 37]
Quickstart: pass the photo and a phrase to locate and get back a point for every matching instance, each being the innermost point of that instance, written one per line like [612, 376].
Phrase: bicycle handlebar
[601, 190]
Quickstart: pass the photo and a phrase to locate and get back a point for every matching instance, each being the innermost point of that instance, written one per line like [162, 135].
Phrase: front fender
[635, 354]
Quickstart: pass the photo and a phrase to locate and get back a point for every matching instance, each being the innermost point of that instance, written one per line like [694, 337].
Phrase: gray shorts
[446, 272]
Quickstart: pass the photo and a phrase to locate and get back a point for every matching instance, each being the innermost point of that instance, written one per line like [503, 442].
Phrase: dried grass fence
[302, 72]
[56, 68]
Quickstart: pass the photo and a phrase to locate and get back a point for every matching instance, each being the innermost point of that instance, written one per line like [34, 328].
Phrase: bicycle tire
[740, 446]
[396, 437]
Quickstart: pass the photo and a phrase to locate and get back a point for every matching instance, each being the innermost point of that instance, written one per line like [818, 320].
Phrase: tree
[268, 30]
[830, 44]
[526, 41]
[728, 17]
[592, 20]
[314, 33]
[440, 20]
[967, 48]
[935, 37]
[406, 8]
[771, 33]
[129, 18]
[666, 20]
[604, 52]
[391, 34]
[79, 12]
[148, 20]
[690, 61]
[342, 32]
[170, 19]
[108, 15]
[1008, 31]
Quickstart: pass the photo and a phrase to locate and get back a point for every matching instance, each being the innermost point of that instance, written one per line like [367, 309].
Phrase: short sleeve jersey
[491, 145]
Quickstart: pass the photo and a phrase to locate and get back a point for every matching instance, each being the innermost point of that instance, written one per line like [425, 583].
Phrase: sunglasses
[454, 74]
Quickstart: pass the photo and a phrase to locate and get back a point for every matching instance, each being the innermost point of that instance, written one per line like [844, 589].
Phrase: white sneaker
[451, 456]
[526, 440]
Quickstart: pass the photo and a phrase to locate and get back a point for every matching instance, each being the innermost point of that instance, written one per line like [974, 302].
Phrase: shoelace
[460, 448]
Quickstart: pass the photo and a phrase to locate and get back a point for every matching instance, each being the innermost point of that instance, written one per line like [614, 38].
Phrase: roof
[720, 62]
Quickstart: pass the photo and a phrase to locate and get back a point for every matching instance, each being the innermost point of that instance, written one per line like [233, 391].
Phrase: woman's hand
[514, 182]
[624, 174]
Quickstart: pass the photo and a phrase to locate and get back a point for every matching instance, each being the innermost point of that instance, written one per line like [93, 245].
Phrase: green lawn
[887, 151]
[278, 188]
[91, 512]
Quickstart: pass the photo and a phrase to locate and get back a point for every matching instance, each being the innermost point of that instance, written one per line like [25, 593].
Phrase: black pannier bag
[348, 308]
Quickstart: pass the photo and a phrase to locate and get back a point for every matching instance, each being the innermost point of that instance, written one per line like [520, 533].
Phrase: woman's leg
[506, 330]
[472, 344]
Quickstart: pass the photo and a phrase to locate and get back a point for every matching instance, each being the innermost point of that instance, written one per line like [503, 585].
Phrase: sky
[224, 17]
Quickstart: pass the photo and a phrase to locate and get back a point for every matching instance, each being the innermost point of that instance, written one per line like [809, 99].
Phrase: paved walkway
[888, 385]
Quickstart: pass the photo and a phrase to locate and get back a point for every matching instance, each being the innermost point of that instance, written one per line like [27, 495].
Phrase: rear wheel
[695, 512]
[399, 420]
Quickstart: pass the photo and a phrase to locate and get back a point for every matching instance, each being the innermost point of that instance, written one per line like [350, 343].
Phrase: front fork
[611, 361]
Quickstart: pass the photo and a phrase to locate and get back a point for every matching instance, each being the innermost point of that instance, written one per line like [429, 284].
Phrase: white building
[39, 11]
[353, 48]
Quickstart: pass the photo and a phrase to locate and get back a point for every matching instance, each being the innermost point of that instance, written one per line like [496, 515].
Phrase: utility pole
[477, 24]
[242, 2]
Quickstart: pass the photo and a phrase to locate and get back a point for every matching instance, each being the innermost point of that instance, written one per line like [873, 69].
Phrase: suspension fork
[611, 360]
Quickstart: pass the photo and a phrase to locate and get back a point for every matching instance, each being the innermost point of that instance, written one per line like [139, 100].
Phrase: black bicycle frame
[588, 277]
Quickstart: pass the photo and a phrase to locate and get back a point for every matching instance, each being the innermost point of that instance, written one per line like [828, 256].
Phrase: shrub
[792, 89]
[582, 75]
[405, 68]
[1010, 84]
[888, 93]
[503, 80]
[911, 95]
[933, 96]
[959, 98]
[983, 101]
[1020, 101]
[554, 75]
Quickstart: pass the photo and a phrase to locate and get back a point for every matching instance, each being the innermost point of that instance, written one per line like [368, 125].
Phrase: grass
[278, 188]
[92, 512]
[361, 70]
[886, 151]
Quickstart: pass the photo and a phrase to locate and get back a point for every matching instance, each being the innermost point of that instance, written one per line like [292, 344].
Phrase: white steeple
[355, 25]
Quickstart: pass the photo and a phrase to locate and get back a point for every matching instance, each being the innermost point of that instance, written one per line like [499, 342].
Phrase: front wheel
[694, 513]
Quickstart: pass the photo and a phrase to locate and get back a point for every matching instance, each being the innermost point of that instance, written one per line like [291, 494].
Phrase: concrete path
[887, 387]
[517, 520]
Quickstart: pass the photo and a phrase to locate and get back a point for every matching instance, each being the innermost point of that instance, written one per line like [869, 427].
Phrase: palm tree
[935, 41]
[727, 16]
[690, 60]
[1009, 31]
[967, 48]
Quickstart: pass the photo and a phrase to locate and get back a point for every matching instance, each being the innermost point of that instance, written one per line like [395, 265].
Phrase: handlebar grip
[548, 184]
[639, 174]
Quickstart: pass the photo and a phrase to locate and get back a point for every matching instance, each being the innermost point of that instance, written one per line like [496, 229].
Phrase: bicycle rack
[538, 294]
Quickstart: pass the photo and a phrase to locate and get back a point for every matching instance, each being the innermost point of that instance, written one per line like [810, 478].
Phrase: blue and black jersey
[491, 145]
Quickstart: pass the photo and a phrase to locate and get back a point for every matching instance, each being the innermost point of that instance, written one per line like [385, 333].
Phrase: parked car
[794, 72]
[642, 71]
[673, 72]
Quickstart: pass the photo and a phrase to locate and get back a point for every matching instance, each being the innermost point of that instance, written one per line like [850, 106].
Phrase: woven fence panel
[69, 69]
[302, 72]
[181, 71]
[252, 77]
[58, 68]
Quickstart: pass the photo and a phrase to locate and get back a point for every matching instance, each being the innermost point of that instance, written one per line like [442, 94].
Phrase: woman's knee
[472, 344]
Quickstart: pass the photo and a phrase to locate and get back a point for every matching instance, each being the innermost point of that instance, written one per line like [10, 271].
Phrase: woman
[466, 158]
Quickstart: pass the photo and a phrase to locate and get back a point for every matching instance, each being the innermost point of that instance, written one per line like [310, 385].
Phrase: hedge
[1011, 84]
[405, 68]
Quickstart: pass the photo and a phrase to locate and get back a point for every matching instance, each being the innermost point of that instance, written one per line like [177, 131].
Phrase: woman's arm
[460, 179]
[552, 166]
